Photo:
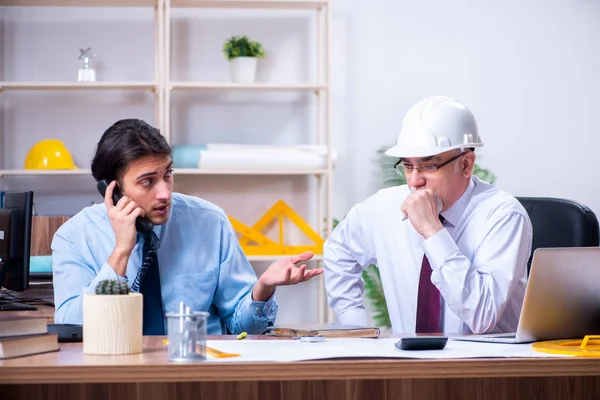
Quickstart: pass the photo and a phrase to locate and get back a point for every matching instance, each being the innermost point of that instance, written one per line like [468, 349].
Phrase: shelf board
[245, 171]
[78, 3]
[7, 85]
[250, 86]
[317, 257]
[76, 85]
[274, 4]
[43, 172]
[177, 171]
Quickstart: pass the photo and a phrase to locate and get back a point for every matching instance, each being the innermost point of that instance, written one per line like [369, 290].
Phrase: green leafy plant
[112, 286]
[484, 174]
[241, 46]
[374, 292]
[370, 275]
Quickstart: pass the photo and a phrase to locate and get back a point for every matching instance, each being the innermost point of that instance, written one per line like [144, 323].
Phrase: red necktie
[428, 301]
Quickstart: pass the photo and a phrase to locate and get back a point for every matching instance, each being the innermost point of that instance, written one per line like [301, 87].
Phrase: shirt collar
[157, 229]
[454, 213]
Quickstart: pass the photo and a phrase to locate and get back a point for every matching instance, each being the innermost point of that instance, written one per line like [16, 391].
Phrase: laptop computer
[562, 298]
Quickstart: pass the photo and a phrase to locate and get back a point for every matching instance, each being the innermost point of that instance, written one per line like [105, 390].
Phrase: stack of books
[23, 336]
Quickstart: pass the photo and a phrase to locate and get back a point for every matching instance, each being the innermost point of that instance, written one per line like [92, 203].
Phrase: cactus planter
[112, 287]
[112, 320]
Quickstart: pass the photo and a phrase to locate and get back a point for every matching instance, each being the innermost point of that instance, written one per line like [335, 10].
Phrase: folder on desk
[327, 330]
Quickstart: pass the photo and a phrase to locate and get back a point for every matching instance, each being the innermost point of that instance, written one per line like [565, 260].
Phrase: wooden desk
[69, 374]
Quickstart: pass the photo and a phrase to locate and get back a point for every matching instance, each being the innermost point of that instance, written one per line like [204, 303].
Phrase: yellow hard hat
[49, 154]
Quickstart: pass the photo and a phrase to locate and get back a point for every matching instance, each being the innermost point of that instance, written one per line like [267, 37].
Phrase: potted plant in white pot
[243, 55]
[112, 320]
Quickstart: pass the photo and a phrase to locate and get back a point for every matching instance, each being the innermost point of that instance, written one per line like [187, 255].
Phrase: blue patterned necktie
[147, 282]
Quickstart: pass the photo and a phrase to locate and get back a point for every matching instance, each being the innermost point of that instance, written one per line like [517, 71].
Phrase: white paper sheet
[294, 350]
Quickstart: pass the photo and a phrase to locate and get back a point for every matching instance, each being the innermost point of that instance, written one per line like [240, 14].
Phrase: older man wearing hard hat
[451, 249]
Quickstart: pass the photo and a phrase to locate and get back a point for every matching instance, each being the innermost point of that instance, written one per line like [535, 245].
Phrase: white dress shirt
[479, 260]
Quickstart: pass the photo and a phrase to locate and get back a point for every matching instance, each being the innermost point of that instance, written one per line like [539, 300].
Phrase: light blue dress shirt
[201, 263]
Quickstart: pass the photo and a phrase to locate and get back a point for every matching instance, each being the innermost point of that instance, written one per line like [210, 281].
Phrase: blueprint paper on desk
[294, 350]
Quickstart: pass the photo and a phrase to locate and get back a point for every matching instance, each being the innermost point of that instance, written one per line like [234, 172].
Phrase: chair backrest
[560, 223]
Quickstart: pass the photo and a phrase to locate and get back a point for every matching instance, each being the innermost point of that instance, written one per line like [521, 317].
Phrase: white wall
[530, 71]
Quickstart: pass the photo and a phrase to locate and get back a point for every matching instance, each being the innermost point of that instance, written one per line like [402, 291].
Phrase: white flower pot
[243, 69]
[112, 324]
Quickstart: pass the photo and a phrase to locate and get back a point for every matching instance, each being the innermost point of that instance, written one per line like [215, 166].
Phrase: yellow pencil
[213, 352]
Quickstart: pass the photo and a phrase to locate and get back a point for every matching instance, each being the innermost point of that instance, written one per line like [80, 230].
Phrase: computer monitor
[16, 215]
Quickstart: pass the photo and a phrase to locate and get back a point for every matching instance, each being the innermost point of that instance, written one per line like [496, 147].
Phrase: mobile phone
[141, 224]
[422, 343]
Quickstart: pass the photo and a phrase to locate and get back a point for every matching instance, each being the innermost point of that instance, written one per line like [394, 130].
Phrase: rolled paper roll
[259, 157]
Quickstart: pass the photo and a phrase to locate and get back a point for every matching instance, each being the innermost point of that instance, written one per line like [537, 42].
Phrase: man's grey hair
[457, 152]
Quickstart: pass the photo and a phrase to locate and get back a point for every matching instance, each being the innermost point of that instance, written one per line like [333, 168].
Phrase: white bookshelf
[320, 88]
[156, 85]
[162, 87]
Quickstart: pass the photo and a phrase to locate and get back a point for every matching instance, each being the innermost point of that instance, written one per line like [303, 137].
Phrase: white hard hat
[433, 126]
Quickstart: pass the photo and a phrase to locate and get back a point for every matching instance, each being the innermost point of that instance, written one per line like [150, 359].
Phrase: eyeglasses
[401, 166]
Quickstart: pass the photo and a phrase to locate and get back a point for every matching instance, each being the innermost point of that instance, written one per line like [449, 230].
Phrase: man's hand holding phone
[122, 217]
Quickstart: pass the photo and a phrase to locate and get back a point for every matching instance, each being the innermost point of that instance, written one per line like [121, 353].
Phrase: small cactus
[112, 287]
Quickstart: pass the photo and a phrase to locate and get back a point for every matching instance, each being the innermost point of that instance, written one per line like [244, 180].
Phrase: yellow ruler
[588, 347]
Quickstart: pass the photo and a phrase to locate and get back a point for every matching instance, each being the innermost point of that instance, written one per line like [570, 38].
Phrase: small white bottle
[86, 73]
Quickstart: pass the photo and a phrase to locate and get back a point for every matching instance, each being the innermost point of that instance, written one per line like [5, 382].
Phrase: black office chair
[560, 223]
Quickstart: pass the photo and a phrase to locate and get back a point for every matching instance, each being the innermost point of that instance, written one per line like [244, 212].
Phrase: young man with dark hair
[201, 262]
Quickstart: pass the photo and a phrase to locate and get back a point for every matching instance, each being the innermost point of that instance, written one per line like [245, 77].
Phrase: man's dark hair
[125, 141]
